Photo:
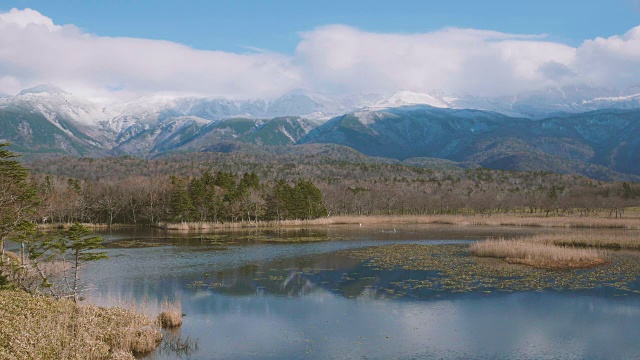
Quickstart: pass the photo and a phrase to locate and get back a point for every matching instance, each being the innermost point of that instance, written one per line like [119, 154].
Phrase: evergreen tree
[309, 202]
[181, 206]
[18, 198]
[225, 180]
[279, 201]
[199, 199]
[78, 246]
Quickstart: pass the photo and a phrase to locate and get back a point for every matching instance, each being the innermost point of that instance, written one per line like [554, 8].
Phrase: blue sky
[274, 25]
[126, 49]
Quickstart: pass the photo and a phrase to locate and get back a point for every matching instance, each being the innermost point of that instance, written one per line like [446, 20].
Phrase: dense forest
[219, 187]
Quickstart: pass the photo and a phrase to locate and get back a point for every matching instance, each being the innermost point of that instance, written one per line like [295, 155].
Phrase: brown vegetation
[456, 220]
[538, 254]
[572, 250]
[611, 240]
[33, 327]
[171, 315]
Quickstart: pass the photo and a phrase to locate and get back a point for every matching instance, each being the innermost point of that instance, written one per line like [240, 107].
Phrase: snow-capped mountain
[56, 105]
[47, 118]
[409, 98]
[531, 104]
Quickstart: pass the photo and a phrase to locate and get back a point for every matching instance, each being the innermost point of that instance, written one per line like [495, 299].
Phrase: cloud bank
[333, 59]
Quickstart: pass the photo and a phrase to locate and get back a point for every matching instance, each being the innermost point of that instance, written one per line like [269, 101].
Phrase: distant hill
[600, 144]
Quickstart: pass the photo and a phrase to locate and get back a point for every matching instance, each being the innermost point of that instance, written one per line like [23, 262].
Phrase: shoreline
[453, 220]
[573, 222]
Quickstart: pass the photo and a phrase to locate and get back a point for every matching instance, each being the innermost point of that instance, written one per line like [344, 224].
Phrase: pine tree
[181, 206]
[79, 246]
[309, 201]
[18, 198]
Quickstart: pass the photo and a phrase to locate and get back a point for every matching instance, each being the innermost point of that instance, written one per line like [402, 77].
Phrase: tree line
[219, 197]
[231, 187]
[202, 190]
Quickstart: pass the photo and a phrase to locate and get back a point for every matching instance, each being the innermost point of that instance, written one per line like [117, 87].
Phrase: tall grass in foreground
[539, 254]
[457, 220]
[34, 327]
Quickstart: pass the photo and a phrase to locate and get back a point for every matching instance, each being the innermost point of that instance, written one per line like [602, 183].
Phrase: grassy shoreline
[454, 220]
[39, 327]
[517, 220]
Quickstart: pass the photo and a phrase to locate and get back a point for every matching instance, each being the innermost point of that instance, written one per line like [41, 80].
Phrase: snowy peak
[43, 88]
[115, 120]
[58, 106]
[409, 98]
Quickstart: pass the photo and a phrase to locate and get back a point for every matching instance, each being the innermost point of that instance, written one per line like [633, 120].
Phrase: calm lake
[262, 295]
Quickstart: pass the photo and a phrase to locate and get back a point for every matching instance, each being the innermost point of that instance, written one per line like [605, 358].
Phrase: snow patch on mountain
[57, 105]
[408, 98]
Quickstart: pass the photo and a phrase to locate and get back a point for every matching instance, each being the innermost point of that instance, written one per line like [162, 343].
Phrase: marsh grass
[561, 250]
[171, 315]
[456, 220]
[539, 254]
[34, 327]
[614, 240]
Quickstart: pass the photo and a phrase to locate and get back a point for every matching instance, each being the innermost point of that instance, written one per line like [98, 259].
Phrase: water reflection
[289, 301]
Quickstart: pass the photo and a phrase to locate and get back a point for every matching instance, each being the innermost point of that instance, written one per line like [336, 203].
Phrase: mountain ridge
[602, 143]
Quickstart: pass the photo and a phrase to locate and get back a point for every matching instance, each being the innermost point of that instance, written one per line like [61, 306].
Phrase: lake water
[248, 298]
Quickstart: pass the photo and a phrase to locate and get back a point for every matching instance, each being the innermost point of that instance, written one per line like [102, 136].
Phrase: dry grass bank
[456, 220]
[614, 240]
[45, 328]
[539, 254]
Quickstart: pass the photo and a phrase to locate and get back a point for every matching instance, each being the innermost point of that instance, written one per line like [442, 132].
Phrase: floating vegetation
[135, 244]
[262, 238]
[453, 268]
[212, 237]
[305, 239]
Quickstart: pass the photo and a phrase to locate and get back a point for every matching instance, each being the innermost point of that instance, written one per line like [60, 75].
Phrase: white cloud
[332, 59]
[347, 59]
[26, 17]
[614, 60]
[39, 51]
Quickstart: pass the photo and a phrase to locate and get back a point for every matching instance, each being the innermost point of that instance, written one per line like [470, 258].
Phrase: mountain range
[589, 131]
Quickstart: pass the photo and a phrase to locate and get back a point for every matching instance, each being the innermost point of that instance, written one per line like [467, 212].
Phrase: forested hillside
[220, 187]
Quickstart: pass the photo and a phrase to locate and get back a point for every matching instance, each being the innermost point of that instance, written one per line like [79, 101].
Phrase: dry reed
[45, 328]
[615, 240]
[171, 315]
[457, 220]
[538, 254]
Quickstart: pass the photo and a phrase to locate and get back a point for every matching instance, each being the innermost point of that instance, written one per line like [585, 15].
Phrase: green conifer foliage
[18, 198]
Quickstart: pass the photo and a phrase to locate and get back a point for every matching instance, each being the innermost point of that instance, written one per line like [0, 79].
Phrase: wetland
[375, 292]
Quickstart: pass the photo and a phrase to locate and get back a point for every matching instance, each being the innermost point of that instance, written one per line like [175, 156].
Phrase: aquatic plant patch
[454, 268]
